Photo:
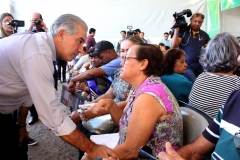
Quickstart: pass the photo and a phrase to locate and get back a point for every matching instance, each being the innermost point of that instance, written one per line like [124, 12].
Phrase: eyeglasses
[198, 14]
[237, 141]
[124, 58]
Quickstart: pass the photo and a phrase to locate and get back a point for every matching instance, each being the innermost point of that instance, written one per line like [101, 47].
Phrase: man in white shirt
[26, 77]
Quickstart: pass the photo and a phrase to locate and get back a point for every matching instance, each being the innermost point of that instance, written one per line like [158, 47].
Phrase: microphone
[146, 155]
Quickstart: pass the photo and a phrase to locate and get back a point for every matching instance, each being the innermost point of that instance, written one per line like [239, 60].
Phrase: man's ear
[60, 35]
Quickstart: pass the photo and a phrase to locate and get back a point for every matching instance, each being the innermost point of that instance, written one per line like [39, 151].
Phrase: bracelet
[90, 145]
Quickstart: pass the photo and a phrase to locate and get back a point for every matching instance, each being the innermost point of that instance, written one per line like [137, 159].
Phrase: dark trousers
[61, 64]
[9, 149]
[32, 109]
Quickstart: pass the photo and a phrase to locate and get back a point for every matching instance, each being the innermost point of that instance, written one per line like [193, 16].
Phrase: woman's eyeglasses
[124, 58]
[237, 141]
[198, 14]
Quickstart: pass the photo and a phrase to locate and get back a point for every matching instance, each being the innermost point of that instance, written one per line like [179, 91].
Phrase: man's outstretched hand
[170, 154]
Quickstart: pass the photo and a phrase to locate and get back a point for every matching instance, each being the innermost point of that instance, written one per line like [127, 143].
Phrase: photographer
[37, 24]
[191, 41]
[6, 30]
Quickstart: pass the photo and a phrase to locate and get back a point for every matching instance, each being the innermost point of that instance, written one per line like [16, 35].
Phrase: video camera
[130, 32]
[180, 20]
[16, 24]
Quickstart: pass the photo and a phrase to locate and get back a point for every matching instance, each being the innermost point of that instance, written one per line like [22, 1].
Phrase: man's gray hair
[68, 22]
[221, 54]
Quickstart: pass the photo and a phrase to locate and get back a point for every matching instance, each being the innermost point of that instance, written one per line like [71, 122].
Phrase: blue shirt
[166, 42]
[111, 67]
[192, 45]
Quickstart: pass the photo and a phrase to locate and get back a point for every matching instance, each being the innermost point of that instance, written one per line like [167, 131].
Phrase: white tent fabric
[109, 17]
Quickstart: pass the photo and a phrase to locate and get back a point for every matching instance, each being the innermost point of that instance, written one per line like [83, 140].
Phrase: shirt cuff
[67, 127]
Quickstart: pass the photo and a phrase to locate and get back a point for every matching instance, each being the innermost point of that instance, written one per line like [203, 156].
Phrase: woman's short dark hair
[1, 20]
[154, 56]
[221, 54]
[170, 58]
[161, 44]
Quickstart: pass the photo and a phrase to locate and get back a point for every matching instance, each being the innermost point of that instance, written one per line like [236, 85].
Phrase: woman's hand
[90, 113]
[100, 108]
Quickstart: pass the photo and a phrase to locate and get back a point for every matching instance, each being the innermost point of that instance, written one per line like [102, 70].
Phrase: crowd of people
[147, 81]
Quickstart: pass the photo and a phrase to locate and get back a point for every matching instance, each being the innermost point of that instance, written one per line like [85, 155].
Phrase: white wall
[109, 17]
[230, 21]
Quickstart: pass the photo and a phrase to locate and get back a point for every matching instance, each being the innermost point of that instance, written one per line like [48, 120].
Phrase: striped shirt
[210, 92]
[221, 131]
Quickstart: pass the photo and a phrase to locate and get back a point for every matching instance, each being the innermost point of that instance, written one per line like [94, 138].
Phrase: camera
[130, 32]
[38, 22]
[16, 23]
[180, 20]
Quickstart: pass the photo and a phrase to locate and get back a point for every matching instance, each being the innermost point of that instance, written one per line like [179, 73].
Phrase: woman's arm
[145, 113]
[107, 95]
[102, 107]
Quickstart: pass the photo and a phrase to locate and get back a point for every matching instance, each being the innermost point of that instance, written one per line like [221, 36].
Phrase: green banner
[227, 4]
[213, 16]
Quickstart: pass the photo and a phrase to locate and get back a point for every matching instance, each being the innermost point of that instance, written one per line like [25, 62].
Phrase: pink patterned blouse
[170, 129]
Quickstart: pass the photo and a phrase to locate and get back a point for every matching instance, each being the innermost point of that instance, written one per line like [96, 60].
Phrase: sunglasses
[237, 141]
[198, 14]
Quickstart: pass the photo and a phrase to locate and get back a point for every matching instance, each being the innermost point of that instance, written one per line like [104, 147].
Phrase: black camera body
[38, 22]
[180, 20]
[131, 33]
[16, 23]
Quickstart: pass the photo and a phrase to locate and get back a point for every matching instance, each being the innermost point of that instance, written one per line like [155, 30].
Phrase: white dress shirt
[26, 77]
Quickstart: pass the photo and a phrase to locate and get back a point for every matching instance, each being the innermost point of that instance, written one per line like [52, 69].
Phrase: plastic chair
[98, 86]
[194, 123]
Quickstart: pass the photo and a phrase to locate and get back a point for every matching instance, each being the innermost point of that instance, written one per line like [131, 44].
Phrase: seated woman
[173, 66]
[152, 115]
[212, 88]
[119, 89]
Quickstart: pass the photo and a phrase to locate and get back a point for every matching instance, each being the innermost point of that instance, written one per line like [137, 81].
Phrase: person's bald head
[35, 16]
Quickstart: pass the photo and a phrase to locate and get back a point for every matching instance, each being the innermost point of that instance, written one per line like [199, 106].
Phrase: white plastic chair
[194, 123]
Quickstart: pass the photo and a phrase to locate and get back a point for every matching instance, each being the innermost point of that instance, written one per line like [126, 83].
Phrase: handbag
[101, 125]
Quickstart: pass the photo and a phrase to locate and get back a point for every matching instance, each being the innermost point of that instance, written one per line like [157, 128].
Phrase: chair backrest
[98, 85]
[194, 123]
